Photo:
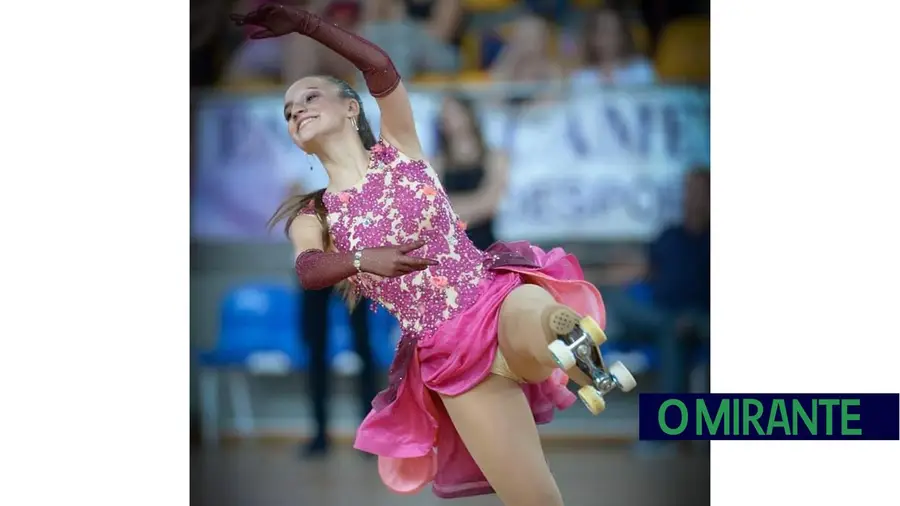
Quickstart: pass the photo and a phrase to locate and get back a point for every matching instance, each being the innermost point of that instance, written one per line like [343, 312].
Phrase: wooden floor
[271, 474]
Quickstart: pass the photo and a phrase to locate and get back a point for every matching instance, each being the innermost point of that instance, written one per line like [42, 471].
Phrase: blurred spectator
[415, 44]
[314, 307]
[525, 58]
[673, 306]
[314, 324]
[473, 175]
[609, 53]
[444, 19]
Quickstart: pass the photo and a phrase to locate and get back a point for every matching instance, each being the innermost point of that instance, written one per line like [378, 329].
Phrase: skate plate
[581, 348]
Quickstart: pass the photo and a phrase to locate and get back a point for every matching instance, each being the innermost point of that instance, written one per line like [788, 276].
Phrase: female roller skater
[472, 374]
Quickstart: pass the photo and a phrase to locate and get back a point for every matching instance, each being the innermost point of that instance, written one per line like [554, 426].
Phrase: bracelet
[357, 260]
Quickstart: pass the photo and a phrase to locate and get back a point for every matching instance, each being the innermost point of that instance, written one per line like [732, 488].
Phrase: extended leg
[524, 335]
[495, 422]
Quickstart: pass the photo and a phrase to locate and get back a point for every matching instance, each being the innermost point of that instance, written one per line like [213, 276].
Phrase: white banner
[604, 166]
[601, 166]
[588, 202]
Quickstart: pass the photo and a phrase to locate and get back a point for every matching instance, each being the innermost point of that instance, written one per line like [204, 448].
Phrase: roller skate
[578, 343]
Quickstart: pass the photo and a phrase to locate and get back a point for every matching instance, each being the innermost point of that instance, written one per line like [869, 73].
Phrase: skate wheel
[562, 354]
[590, 326]
[623, 376]
[592, 399]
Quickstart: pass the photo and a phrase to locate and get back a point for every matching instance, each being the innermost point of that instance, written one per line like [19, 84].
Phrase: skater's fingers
[251, 18]
[403, 269]
[403, 264]
[406, 248]
[417, 263]
[262, 34]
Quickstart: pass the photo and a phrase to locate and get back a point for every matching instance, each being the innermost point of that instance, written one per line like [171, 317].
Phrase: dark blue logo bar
[769, 416]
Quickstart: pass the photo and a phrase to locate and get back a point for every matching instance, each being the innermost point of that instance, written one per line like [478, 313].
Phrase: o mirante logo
[769, 416]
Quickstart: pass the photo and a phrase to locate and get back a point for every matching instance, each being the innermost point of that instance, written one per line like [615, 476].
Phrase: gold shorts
[501, 368]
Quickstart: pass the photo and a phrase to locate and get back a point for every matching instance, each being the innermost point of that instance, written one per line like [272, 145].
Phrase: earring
[355, 125]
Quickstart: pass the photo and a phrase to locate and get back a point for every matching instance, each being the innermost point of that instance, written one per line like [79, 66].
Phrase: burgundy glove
[317, 269]
[276, 20]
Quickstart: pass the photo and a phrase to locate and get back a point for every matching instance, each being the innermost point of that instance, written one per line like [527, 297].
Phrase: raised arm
[382, 78]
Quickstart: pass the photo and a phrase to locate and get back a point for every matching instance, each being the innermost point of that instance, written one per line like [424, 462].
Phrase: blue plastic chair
[257, 334]
[383, 330]
[640, 291]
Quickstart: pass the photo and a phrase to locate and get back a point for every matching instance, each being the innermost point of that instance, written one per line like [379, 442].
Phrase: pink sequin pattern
[400, 200]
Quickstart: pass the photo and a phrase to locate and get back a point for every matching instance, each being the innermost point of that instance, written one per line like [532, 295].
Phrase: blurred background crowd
[590, 42]
[575, 123]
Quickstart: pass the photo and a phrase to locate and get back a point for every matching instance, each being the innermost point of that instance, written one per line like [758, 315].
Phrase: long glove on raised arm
[376, 66]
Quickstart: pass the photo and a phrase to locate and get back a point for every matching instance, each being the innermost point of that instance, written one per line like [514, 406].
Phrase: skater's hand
[275, 20]
[391, 261]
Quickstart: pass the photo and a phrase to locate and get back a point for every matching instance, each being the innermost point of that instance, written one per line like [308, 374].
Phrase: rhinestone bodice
[400, 200]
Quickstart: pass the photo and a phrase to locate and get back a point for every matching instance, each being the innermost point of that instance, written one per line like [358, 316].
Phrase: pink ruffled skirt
[410, 430]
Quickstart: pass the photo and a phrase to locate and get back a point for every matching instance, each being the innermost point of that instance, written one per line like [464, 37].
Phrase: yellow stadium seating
[641, 37]
[434, 78]
[475, 76]
[249, 85]
[487, 5]
[471, 50]
[443, 80]
[683, 51]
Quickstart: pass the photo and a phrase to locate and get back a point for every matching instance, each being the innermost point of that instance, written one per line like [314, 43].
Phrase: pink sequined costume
[448, 312]
[448, 315]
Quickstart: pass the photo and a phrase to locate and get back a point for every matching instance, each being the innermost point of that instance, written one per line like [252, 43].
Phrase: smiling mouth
[306, 122]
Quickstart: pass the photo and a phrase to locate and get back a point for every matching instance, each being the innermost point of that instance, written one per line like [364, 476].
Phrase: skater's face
[315, 110]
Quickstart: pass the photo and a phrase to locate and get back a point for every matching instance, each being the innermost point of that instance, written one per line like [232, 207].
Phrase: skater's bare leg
[495, 422]
[524, 334]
